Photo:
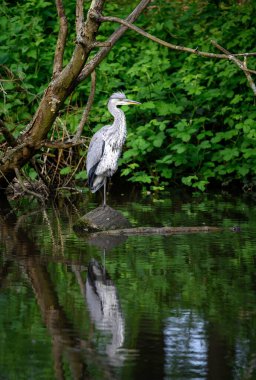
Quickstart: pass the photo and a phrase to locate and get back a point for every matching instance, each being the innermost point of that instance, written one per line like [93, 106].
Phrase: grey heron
[106, 145]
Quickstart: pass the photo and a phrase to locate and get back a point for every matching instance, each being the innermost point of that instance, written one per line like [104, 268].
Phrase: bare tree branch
[87, 108]
[240, 64]
[79, 20]
[172, 46]
[61, 42]
[103, 52]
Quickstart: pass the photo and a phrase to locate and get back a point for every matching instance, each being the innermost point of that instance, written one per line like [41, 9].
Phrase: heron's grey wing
[95, 152]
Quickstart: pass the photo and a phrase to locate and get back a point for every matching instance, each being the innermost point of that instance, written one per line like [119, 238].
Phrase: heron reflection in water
[106, 145]
[104, 307]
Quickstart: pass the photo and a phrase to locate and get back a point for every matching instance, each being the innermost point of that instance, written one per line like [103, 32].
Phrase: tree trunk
[53, 99]
[64, 82]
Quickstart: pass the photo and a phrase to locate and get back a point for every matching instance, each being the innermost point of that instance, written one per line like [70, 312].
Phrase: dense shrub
[196, 125]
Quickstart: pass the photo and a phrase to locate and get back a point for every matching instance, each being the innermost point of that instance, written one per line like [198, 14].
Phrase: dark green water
[150, 307]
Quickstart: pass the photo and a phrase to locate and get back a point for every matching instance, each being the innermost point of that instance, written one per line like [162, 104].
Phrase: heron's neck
[119, 119]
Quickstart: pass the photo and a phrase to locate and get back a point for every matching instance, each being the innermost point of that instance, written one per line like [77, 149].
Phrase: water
[139, 307]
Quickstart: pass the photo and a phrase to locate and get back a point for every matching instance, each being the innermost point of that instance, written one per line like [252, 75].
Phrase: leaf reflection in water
[185, 345]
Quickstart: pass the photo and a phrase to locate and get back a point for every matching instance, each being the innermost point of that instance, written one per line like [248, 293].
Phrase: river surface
[177, 307]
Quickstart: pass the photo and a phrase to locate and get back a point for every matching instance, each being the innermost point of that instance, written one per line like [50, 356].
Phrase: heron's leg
[104, 261]
[105, 193]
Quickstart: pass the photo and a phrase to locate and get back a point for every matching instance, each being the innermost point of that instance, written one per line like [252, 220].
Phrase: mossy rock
[101, 219]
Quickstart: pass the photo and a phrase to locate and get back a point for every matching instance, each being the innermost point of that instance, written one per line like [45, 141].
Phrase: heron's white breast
[114, 138]
[109, 161]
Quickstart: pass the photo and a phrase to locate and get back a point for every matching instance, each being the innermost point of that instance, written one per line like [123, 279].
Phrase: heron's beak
[128, 101]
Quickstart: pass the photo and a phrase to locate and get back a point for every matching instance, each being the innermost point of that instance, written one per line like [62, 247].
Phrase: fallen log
[104, 222]
[156, 231]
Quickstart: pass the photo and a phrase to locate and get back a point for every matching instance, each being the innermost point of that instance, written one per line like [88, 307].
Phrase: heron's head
[119, 99]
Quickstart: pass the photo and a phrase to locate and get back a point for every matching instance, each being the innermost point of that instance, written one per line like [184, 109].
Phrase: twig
[59, 145]
[240, 64]
[24, 187]
[39, 173]
[7, 134]
[86, 112]
[101, 44]
[62, 36]
[12, 152]
[169, 45]
[75, 170]
[71, 189]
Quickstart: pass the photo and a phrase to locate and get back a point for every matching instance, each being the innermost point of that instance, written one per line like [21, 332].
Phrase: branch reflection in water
[67, 344]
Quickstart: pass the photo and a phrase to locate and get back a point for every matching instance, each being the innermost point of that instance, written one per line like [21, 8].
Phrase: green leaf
[201, 185]
[141, 177]
[158, 139]
[237, 99]
[189, 180]
[164, 108]
[179, 148]
[205, 145]
[66, 170]
[166, 173]
[148, 105]
[243, 170]
[229, 153]
[80, 175]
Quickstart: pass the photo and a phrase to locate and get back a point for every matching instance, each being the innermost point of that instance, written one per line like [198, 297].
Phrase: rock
[102, 219]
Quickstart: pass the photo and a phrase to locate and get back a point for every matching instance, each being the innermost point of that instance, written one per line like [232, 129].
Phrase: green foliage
[196, 125]
[197, 121]
[28, 30]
